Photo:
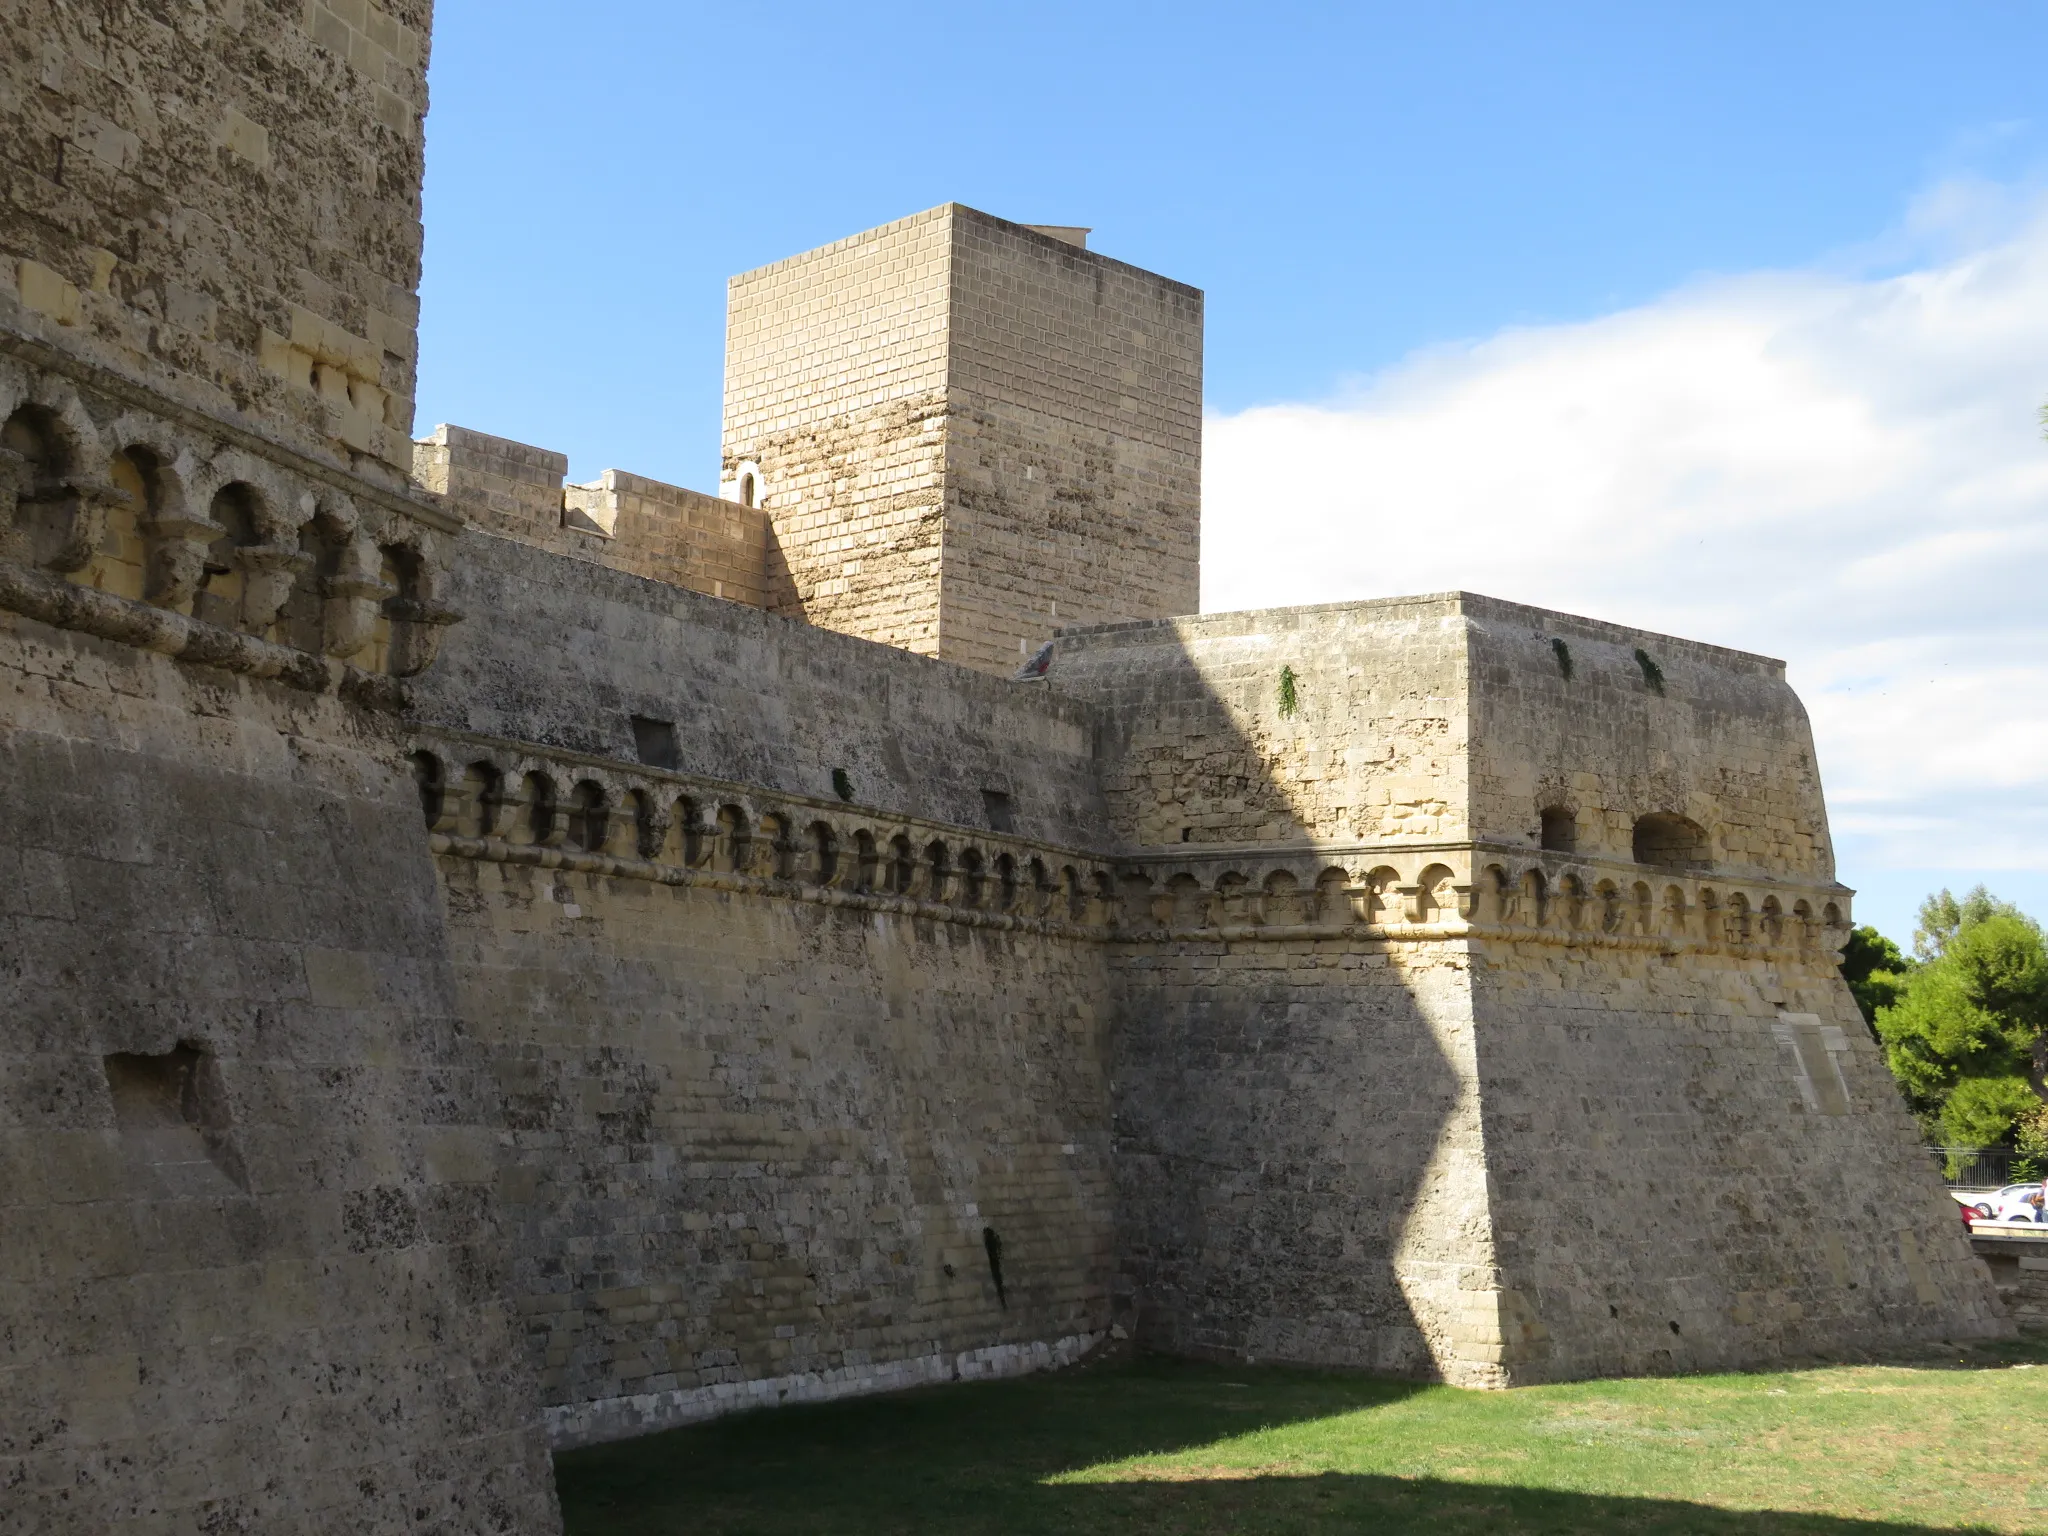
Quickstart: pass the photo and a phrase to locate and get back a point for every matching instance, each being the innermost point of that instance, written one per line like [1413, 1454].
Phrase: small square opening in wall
[655, 742]
[172, 1113]
[995, 805]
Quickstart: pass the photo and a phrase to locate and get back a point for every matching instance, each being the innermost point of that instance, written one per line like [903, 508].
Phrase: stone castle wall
[1698, 1161]
[772, 1087]
[223, 202]
[570, 654]
[426, 938]
[1198, 748]
[248, 1152]
[773, 1058]
[1717, 737]
[1374, 1072]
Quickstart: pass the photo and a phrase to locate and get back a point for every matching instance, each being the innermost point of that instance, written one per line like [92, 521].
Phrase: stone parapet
[622, 521]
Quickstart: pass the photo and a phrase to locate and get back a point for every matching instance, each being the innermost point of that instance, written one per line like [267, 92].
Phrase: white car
[2012, 1203]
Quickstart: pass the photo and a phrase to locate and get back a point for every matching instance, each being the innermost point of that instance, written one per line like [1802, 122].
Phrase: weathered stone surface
[956, 393]
[572, 653]
[425, 1038]
[272, 1300]
[624, 521]
[223, 201]
[1399, 1085]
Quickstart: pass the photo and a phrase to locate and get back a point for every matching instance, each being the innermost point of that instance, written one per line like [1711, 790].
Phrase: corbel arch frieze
[56, 495]
[412, 561]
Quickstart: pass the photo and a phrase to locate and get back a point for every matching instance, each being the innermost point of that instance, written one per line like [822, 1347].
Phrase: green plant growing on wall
[1290, 701]
[1652, 673]
[842, 784]
[1563, 653]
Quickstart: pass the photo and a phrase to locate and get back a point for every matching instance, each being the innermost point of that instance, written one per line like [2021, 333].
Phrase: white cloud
[1844, 471]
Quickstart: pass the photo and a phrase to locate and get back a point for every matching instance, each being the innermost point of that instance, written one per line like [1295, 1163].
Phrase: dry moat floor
[1956, 1441]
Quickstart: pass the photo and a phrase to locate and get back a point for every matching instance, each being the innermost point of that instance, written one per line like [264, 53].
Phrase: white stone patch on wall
[619, 1418]
[1816, 1050]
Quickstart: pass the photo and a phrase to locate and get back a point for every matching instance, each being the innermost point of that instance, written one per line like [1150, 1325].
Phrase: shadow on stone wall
[1298, 1165]
[1277, 1128]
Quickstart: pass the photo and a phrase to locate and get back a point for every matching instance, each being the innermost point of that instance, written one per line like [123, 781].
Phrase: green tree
[1942, 917]
[1966, 1032]
[1875, 970]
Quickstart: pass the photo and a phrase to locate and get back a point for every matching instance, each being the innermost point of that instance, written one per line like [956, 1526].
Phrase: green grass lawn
[1951, 1442]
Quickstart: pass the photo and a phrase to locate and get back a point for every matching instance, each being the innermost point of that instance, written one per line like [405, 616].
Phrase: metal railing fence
[1974, 1167]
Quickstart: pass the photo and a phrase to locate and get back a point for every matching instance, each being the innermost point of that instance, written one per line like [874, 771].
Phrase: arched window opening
[31, 434]
[1229, 908]
[324, 543]
[1738, 919]
[429, 778]
[1608, 897]
[824, 853]
[747, 489]
[1333, 897]
[120, 561]
[1560, 829]
[781, 848]
[540, 808]
[1666, 840]
[1571, 901]
[589, 819]
[1040, 899]
[1439, 903]
[1282, 904]
[1773, 920]
[735, 840]
[902, 866]
[483, 792]
[219, 598]
[46, 507]
[1381, 904]
[1104, 894]
[646, 823]
[1137, 903]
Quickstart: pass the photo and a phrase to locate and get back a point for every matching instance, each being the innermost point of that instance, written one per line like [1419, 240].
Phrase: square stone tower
[967, 433]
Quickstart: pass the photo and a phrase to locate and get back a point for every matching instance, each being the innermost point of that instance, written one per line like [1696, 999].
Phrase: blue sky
[1403, 216]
